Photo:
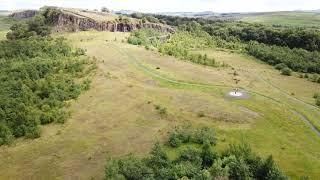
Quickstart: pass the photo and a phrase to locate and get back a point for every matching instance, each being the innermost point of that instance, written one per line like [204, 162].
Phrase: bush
[236, 162]
[203, 135]
[280, 66]
[162, 110]
[128, 167]
[38, 76]
[180, 134]
[286, 71]
[192, 155]
[318, 101]
[6, 136]
[34, 27]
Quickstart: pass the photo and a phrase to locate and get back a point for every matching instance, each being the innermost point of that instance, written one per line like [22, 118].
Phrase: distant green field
[4, 13]
[307, 19]
[3, 35]
[5, 23]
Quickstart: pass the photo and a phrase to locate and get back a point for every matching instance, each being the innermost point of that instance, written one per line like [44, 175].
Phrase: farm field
[305, 19]
[117, 115]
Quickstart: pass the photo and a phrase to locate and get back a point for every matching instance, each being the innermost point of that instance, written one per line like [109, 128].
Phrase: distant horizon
[302, 10]
[171, 6]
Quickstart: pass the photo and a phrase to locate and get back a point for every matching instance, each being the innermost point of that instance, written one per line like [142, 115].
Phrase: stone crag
[73, 22]
[24, 14]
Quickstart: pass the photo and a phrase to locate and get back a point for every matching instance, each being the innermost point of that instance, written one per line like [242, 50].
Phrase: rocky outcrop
[24, 14]
[73, 22]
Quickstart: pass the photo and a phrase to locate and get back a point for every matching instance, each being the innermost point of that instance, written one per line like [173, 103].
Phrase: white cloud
[170, 5]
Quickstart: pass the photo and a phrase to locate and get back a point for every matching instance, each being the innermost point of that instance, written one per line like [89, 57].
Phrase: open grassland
[3, 35]
[117, 115]
[5, 23]
[307, 19]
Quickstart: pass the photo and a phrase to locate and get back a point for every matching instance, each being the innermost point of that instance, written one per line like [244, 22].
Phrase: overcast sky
[170, 5]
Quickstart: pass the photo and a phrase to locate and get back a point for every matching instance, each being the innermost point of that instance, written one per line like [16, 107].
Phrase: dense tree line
[37, 75]
[278, 45]
[292, 37]
[296, 59]
[204, 163]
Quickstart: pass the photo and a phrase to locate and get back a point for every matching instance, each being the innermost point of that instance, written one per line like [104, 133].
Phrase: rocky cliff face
[72, 22]
[23, 14]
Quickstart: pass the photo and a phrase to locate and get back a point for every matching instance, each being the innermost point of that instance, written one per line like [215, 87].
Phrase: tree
[207, 155]
[38, 25]
[137, 15]
[18, 31]
[269, 171]
[159, 158]
[318, 101]
[286, 71]
[238, 169]
[105, 9]
[134, 168]
[218, 170]
[159, 162]
[6, 136]
[35, 27]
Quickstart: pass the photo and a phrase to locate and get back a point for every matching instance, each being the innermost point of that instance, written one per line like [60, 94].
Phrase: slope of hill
[138, 94]
[297, 18]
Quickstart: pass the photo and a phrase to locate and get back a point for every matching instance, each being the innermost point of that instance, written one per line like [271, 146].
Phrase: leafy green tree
[192, 155]
[318, 101]
[38, 25]
[286, 71]
[208, 155]
[238, 169]
[105, 9]
[18, 31]
[6, 136]
[269, 171]
[203, 135]
[280, 66]
[218, 170]
[134, 168]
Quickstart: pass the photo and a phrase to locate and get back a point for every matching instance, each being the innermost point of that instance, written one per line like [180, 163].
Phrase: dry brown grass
[117, 115]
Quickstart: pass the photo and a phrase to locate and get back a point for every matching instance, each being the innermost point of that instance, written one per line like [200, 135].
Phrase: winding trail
[140, 66]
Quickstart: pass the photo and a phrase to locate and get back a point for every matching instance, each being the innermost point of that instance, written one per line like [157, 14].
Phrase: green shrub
[203, 135]
[286, 71]
[280, 66]
[162, 110]
[180, 134]
[6, 136]
[38, 76]
[318, 101]
[192, 162]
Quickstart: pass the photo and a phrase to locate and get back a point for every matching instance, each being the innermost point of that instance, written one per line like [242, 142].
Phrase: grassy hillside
[118, 114]
[5, 23]
[308, 19]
